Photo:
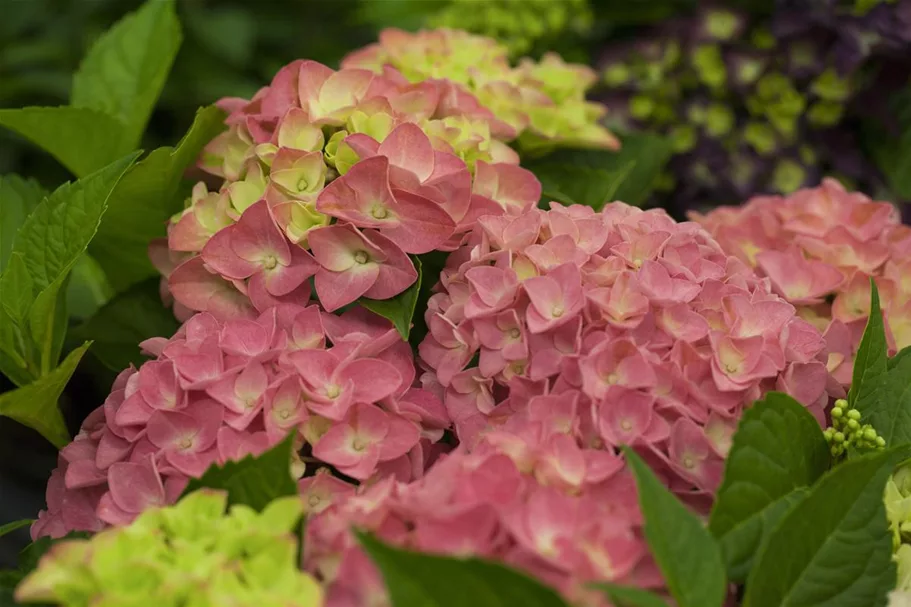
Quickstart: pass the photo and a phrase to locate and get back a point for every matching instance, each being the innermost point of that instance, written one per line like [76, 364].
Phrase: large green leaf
[893, 362]
[35, 405]
[49, 244]
[88, 290]
[630, 596]
[423, 580]
[398, 309]
[870, 364]
[685, 551]
[890, 412]
[833, 548]
[778, 447]
[18, 198]
[126, 68]
[144, 201]
[82, 139]
[125, 321]
[252, 481]
[593, 177]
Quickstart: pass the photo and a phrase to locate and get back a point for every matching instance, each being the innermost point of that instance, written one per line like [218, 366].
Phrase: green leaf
[144, 201]
[893, 362]
[125, 321]
[83, 140]
[126, 68]
[10, 527]
[35, 405]
[630, 596]
[252, 481]
[88, 289]
[833, 548]
[684, 549]
[778, 447]
[49, 244]
[593, 177]
[870, 363]
[423, 580]
[18, 198]
[399, 309]
[17, 288]
[890, 412]
[891, 146]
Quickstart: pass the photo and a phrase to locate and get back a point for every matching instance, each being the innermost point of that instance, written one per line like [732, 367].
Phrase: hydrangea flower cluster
[898, 510]
[529, 493]
[649, 333]
[541, 103]
[397, 167]
[520, 26]
[758, 105]
[220, 390]
[192, 553]
[819, 247]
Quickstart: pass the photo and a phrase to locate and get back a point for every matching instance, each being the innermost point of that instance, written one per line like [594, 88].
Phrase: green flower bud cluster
[846, 431]
[517, 24]
[192, 554]
[897, 499]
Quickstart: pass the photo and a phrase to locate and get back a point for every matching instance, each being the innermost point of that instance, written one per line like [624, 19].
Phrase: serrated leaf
[125, 321]
[35, 405]
[399, 309]
[870, 364]
[49, 244]
[125, 69]
[144, 201]
[630, 596]
[423, 580]
[833, 548]
[890, 412]
[635, 168]
[685, 551]
[778, 447]
[17, 288]
[82, 139]
[88, 288]
[252, 481]
[18, 198]
[10, 527]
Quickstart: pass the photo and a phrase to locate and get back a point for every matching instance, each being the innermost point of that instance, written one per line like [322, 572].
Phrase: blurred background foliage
[662, 70]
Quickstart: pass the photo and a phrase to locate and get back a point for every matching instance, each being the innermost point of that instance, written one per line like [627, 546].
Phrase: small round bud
[853, 414]
[852, 424]
[880, 442]
[870, 434]
[837, 411]
[839, 437]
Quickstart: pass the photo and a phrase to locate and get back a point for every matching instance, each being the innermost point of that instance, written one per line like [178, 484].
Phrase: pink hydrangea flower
[219, 390]
[645, 325]
[819, 247]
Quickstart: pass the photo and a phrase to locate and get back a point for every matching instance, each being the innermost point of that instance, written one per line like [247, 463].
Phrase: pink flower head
[354, 264]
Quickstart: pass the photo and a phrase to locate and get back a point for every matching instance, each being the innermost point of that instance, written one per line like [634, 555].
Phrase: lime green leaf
[778, 447]
[18, 198]
[35, 405]
[890, 412]
[630, 596]
[252, 481]
[423, 580]
[685, 551]
[126, 68]
[833, 547]
[17, 288]
[82, 139]
[870, 364]
[144, 201]
[399, 309]
[125, 321]
[10, 527]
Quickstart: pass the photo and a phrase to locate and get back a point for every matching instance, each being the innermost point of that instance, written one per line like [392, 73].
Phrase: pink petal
[409, 148]
[135, 487]
[373, 379]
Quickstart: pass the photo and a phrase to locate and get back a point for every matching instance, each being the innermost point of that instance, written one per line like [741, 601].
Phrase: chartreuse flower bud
[190, 554]
[847, 431]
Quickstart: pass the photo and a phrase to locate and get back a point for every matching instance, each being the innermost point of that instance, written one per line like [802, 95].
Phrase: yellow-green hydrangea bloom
[192, 554]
